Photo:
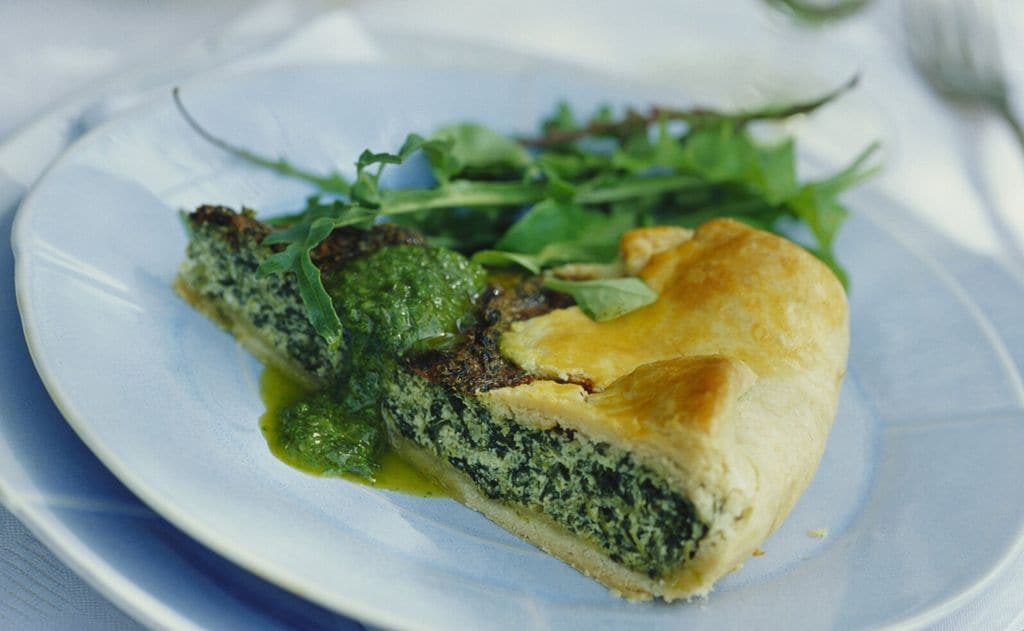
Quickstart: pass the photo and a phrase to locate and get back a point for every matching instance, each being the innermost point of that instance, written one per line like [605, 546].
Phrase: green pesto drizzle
[279, 392]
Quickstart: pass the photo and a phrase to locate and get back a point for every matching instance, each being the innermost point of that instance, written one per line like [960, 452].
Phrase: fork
[955, 45]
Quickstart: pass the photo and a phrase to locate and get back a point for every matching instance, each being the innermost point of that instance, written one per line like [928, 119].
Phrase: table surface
[56, 50]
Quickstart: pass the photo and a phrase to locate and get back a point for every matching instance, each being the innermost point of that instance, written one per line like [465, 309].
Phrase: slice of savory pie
[654, 452]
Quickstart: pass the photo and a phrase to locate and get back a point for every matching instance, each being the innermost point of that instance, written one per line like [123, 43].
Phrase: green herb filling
[596, 491]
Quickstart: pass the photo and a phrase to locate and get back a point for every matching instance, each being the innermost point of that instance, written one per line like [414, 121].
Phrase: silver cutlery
[956, 46]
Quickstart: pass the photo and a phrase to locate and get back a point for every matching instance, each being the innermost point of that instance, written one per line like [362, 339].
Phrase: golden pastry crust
[731, 290]
[727, 384]
[638, 246]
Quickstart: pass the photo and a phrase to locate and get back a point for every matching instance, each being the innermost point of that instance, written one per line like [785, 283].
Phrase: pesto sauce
[318, 430]
[406, 298]
[279, 392]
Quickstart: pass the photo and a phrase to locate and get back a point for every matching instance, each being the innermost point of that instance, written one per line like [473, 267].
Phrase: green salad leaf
[477, 151]
[555, 232]
[605, 298]
[568, 195]
[552, 225]
[562, 129]
[332, 182]
[547, 222]
[299, 240]
[502, 258]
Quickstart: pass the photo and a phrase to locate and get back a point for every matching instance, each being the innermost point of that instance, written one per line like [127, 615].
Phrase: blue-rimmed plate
[918, 491]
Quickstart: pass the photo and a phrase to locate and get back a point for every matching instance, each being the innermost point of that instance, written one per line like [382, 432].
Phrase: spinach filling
[220, 267]
[596, 491]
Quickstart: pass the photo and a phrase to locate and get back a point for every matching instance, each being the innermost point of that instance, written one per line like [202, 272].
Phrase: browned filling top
[478, 363]
[241, 226]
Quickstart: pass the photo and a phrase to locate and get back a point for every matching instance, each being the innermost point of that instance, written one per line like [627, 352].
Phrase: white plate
[69, 500]
[915, 489]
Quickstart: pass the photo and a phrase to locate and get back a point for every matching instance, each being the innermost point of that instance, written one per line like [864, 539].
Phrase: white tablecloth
[958, 168]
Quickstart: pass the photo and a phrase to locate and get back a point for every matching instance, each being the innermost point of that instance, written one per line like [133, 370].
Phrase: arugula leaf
[606, 298]
[499, 258]
[333, 182]
[365, 189]
[639, 154]
[300, 239]
[557, 187]
[463, 229]
[580, 251]
[316, 208]
[562, 120]
[775, 172]
[817, 204]
[477, 150]
[312, 226]
[555, 253]
[852, 174]
[546, 222]
[719, 153]
[561, 129]
[573, 166]
[557, 232]
[568, 201]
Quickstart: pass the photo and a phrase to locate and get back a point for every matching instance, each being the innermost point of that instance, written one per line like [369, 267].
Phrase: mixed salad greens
[565, 196]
